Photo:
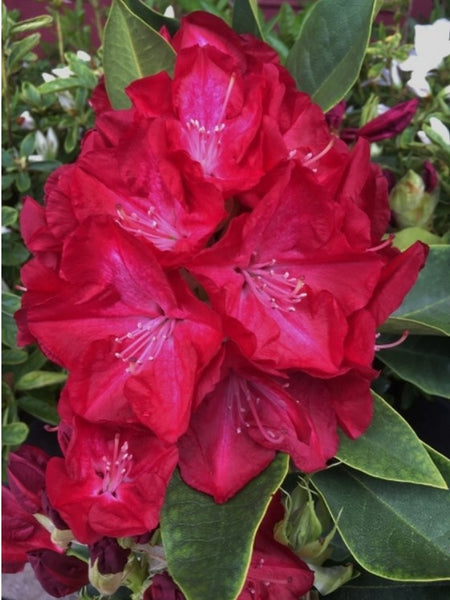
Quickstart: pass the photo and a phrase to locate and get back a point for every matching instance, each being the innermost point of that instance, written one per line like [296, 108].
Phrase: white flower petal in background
[84, 56]
[26, 121]
[169, 12]
[431, 46]
[62, 72]
[46, 146]
[439, 129]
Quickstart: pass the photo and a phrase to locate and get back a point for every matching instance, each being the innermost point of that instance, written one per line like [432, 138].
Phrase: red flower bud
[58, 574]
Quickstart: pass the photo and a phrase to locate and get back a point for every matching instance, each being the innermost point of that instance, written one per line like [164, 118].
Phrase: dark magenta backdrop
[29, 8]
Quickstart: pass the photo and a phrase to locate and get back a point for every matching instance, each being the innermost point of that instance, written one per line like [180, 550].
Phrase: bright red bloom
[251, 414]
[132, 181]
[285, 278]
[247, 119]
[125, 323]
[111, 481]
[275, 572]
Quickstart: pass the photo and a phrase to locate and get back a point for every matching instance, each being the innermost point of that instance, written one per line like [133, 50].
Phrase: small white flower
[26, 121]
[62, 72]
[46, 146]
[169, 12]
[431, 46]
[84, 56]
[439, 129]
[65, 99]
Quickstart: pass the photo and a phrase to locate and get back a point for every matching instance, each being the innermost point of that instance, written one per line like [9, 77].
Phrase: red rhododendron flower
[111, 481]
[251, 414]
[286, 277]
[211, 271]
[125, 324]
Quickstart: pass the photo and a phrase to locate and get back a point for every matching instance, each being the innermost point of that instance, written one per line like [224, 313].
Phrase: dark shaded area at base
[431, 421]
[369, 587]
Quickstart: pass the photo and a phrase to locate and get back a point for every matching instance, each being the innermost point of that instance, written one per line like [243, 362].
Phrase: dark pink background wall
[29, 8]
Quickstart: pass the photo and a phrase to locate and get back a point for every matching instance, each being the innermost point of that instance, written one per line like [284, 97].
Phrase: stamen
[385, 244]
[205, 144]
[274, 285]
[392, 344]
[152, 225]
[115, 471]
[241, 400]
[309, 158]
[145, 342]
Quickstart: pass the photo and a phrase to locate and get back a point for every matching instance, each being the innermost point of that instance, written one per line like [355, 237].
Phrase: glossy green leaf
[42, 410]
[59, 85]
[245, 17]
[132, 49]
[9, 216]
[425, 308]
[390, 449]
[19, 49]
[208, 545]
[38, 379]
[423, 361]
[14, 252]
[327, 56]
[14, 356]
[151, 17]
[14, 434]
[33, 23]
[10, 303]
[395, 530]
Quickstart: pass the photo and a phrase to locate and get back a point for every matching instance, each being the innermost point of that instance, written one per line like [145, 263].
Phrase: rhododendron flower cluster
[211, 272]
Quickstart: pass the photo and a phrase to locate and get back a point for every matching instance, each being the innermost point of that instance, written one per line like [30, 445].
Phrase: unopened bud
[412, 206]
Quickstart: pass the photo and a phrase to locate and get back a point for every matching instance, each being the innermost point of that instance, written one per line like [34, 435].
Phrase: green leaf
[59, 85]
[423, 361]
[208, 545]
[23, 184]
[14, 356]
[132, 49]
[425, 308]
[42, 410]
[14, 434]
[14, 252]
[20, 49]
[71, 138]
[33, 23]
[151, 17]
[9, 216]
[327, 56]
[39, 379]
[27, 144]
[10, 303]
[395, 530]
[245, 18]
[390, 449]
